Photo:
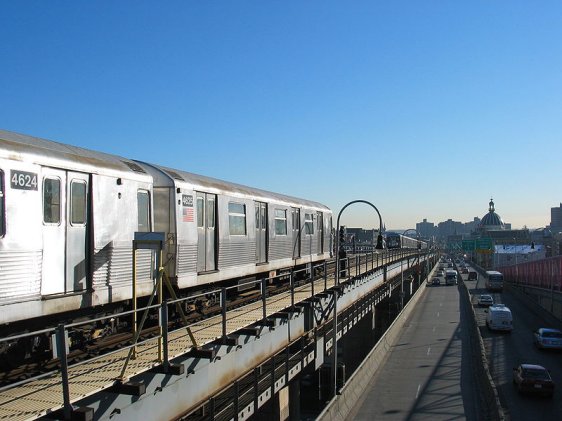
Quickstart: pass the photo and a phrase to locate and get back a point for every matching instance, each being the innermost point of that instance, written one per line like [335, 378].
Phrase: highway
[428, 375]
[506, 350]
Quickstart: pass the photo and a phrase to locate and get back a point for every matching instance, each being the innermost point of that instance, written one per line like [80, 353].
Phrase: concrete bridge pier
[285, 405]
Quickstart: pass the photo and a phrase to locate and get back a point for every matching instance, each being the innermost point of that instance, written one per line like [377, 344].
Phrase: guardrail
[63, 377]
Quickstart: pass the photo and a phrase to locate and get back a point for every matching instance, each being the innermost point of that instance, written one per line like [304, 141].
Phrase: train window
[200, 212]
[280, 222]
[263, 218]
[308, 224]
[77, 202]
[2, 211]
[237, 218]
[211, 212]
[51, 201]
[143, 206]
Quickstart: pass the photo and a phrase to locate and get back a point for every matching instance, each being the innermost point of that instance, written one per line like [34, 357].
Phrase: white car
[485, 300]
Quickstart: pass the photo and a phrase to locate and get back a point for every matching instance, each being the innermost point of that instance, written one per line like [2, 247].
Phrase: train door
[296, 221]
[261, 232]
[65, 225]
[320, 232]
[76, 231]
[206, 222]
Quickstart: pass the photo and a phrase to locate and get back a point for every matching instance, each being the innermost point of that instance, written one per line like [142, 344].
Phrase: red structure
[545, 273]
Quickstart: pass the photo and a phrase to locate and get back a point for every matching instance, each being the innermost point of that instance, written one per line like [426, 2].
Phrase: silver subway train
[395, 240]
[68, 217]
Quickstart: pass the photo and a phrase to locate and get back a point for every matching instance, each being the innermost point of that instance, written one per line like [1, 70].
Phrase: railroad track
[44, 363]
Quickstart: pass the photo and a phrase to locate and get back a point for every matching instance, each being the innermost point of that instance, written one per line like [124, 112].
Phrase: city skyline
[424, 109]
[476, 218]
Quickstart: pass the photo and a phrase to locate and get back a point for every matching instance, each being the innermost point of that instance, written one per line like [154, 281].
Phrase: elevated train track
[36, 397]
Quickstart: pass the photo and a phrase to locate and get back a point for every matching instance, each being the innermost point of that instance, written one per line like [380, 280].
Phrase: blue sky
[425, 108]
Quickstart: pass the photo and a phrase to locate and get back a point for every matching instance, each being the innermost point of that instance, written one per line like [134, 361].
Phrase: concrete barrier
[340, 407]
[490, 407]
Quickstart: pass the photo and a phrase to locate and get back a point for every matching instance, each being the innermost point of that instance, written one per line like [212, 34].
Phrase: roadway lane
[428, 373]
[506, 350]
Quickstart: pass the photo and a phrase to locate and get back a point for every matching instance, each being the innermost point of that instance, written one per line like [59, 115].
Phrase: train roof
[36, 150]
[209, 184]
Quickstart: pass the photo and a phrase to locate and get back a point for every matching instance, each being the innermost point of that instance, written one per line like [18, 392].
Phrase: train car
[393, 240]
[68, 217]
[220, 231]
[409, 242]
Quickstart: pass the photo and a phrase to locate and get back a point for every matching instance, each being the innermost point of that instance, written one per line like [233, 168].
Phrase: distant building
[491, 221]
[426, 229]
[472, 226]
[449, 227]
[556, 219]
[509, 246]
[492, 226]
[491, 229]
[361, 235]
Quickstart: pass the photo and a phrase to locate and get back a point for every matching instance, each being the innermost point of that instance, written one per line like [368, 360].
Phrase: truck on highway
[499, 317]
[494, 280]
[450, 277]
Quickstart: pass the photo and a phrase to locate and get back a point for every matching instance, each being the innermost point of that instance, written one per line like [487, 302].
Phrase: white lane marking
[434, 328]
[441, 305]
[428, 350]
[418, 392]
[437, 314]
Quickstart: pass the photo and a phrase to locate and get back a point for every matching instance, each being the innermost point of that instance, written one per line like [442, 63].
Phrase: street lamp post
[379, 237]
[379, 246]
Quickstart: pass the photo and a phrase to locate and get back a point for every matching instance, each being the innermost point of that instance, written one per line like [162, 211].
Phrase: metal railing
[305, 288]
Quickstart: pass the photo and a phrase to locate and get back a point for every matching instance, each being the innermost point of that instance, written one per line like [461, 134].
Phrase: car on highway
[472, 276]
[464, 270]
[436, 281]
[485, 300]
[440, 273]
[546, 338]
[533, 378]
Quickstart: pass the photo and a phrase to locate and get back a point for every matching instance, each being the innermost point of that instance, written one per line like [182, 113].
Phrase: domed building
[491, 221]
[502, 246]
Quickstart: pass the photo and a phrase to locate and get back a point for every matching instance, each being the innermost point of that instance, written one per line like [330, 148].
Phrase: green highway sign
[484, 244]
[468, 245]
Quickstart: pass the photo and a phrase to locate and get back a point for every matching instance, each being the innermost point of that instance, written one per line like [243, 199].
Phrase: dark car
[436, 281]
[532, 378]
[472, 276]
[548, 338]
